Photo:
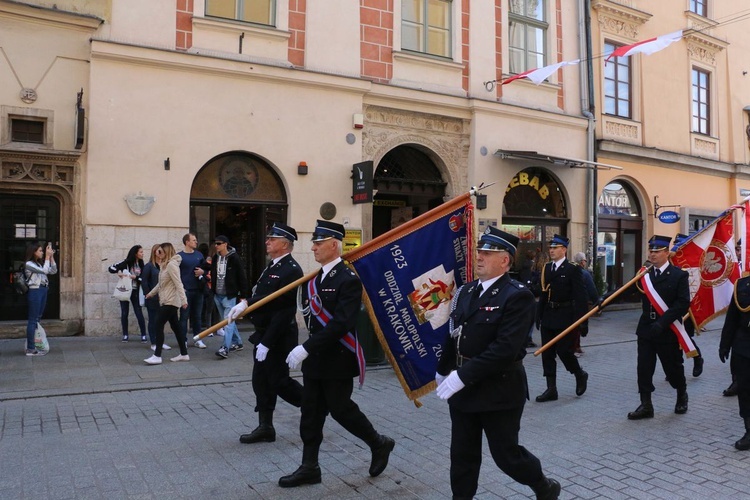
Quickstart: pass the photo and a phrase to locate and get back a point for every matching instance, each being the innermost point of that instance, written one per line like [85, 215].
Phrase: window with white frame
[617, 78]
[527, 25]
[701, 105]
[699, 7]
[426, 26]
[251, 11]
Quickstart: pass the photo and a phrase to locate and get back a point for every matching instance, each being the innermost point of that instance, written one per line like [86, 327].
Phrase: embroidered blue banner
[409, 279]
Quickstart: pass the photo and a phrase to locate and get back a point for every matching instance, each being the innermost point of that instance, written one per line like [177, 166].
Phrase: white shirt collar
[488, 283]
[277, 259]
[327, 268]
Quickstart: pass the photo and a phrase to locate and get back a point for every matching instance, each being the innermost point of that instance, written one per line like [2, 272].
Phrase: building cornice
[620, 11]
[51, 17]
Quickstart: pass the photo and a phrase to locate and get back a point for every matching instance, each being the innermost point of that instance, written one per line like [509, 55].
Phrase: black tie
[657, 272]
[475, 296]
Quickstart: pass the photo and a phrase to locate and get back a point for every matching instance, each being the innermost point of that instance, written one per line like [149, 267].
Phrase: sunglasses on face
[219, 243]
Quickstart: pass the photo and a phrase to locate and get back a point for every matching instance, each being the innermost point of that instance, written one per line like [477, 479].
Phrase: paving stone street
[91, 420]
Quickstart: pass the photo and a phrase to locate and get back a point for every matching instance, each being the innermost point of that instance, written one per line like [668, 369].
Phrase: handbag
[141, 297]
[20, 285]
[40, 339]
[123, 288]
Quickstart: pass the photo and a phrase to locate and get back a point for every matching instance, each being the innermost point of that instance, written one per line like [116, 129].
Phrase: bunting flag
[410, 275]
[538, 75]
[710, 259]
[648, 47]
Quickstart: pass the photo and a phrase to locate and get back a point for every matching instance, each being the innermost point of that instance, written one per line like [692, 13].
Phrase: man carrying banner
[330, 358]
[275, 334]
[679, 239]
[735, 337]
[481, 373]
[562, 303]
[665, 301]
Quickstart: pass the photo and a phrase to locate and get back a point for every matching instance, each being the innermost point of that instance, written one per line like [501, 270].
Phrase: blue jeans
[194, 310]
[125, 312]
[37, 300]
[224, 304]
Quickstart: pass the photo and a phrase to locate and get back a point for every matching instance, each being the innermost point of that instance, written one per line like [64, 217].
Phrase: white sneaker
[180, 358]
[165, 347]
[153, 360]
[220, 332]
[199, 344]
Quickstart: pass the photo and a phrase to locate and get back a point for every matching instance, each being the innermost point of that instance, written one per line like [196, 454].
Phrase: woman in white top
[40, 262]
[131, 266]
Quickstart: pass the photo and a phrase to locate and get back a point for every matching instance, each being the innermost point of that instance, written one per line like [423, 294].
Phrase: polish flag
[540, 74]
[647, 47]
[710, 260]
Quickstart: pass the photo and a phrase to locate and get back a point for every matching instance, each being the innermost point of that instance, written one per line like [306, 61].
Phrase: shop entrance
[24, 220]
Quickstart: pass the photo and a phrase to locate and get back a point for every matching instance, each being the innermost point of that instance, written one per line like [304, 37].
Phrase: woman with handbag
[171, 298]
[149, 279]
[40, 262]
[131, 266]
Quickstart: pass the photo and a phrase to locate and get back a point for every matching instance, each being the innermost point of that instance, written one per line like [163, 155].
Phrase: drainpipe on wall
[587, 110]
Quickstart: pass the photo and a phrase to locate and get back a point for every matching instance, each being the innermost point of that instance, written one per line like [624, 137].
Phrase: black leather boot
[644, 410]
[744, 442]
[546, 489]
[697, 366]
[307, 473]
[264, 432]
[731, 390]
[381, 451]
[582, 380]
[681, 406]
[551, 393]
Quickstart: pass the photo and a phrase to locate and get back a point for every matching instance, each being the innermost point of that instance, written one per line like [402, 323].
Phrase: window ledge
[625, 130]
[426, 60]
[239, 27]
[704, 146]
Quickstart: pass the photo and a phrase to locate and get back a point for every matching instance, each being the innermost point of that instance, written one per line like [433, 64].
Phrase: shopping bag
[123, 288]
[40, 339]
[141, 297]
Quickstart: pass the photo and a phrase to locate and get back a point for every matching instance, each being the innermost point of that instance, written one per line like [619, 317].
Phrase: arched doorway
[619, 237]
[408, 183]
[239, 195]
[534, 209]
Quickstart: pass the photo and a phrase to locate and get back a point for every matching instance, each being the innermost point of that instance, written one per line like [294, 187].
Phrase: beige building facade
[130, 122]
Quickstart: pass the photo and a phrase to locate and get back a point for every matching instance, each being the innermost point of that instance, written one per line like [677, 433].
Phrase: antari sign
[362, 182]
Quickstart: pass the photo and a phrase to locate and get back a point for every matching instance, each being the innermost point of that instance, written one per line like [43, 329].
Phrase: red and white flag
[538, 75]
[710, 259]
[647, 47]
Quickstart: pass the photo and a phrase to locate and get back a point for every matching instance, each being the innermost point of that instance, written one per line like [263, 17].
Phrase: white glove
[296, 357]
[261, 353]
[451, 385]
[439, 378]
[236, 310]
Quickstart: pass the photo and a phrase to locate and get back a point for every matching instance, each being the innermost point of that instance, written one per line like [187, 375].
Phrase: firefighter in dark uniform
[562, 303]
[275, 333]
[328, 366]
[679, 239]
[655, 338]
[481, 373]
[735, 337]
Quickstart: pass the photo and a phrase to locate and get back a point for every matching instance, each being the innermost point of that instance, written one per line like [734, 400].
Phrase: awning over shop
[555, 160]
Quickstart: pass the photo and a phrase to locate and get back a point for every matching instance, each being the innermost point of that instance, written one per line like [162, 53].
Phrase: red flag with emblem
[743, 212]
[710, 259]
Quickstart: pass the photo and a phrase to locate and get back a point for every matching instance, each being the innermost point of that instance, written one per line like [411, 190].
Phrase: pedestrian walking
[230, 285]
[192, 268]
[669, 286]
[562, 303]
[40, 263]
[328, 366]
[149, 279]
[481, 373]
[276, 333]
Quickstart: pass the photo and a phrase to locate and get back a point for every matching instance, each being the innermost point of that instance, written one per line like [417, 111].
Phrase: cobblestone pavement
[90, 420]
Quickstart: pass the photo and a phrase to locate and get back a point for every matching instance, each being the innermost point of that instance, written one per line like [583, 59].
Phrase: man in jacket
[192, 268]
[655, 337]
[562, 303]
[328, 363]
[481, 373]
[275, 334]
[229, 286]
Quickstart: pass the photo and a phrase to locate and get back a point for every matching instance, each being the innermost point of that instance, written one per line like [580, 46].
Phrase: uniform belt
[558, 305]
[460, 360]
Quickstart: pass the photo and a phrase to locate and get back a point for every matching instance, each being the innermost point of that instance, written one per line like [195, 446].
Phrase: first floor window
[699, 7]
[701, 105]
[528, 34]
[426, 26]
[251, 11]
[617, 78]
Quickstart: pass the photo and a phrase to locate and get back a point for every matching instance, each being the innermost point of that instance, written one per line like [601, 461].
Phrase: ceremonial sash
[349, 340]
[686, 343]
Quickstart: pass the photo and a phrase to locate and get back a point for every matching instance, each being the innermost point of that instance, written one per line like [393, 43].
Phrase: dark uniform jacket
[275, 323]
[564, 299]
[736, 332]
[490, 346]
[673, 287]
[341, 295]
